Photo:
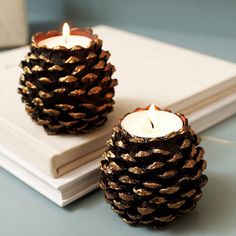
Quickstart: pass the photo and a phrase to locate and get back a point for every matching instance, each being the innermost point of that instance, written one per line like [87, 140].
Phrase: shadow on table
[215, 212]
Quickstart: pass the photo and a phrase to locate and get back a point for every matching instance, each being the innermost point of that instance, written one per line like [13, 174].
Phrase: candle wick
[151, 123]
[66, 39]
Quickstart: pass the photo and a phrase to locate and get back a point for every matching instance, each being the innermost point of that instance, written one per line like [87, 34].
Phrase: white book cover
[148, 71]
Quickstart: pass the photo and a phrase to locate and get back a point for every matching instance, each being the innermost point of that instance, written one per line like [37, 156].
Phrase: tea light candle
[66, 39]
[77, 59]
[149, 180]
[151, 123]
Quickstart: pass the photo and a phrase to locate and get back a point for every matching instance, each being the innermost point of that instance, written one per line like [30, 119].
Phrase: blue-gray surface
[204, 26]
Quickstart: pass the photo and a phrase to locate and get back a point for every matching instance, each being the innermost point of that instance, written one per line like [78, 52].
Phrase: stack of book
[65, 167]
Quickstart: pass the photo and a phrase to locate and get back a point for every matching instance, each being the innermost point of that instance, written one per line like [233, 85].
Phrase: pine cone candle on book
[66, 83]
[152, 170]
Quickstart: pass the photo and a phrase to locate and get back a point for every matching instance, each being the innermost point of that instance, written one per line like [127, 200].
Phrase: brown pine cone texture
[67, 90]
[153, 181]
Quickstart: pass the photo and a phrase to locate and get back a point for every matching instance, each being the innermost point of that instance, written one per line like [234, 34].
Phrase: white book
[148, 71]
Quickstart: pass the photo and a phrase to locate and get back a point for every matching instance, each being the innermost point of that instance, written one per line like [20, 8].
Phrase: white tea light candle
[152, 181]
[151, 123]
[66, 39]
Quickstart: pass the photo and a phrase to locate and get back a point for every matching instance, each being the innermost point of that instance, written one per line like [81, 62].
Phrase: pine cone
[153, 181]
[67, 90]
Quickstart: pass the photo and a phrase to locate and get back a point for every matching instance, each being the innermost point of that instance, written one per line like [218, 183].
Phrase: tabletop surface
[25, 212]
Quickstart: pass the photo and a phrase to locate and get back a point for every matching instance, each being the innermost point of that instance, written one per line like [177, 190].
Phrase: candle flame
[151, 114]
[152, 108]
[65, 31]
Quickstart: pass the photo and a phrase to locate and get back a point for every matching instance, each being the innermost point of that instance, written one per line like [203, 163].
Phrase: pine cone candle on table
[153, 181]
[67, 90]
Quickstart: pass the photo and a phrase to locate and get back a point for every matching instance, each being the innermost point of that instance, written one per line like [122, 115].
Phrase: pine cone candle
[155, 180]
[67, 90]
